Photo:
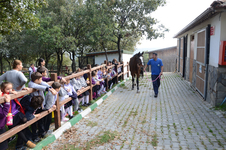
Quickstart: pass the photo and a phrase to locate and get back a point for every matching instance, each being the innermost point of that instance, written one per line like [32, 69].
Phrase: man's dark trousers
[156, 83]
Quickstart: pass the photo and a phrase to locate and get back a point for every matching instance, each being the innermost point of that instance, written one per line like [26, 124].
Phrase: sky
[175, 15]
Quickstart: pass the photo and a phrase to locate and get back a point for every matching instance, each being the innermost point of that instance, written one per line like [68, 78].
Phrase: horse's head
[140, 65]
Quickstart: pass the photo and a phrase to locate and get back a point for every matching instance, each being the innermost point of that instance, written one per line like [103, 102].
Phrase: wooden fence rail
[58, 104]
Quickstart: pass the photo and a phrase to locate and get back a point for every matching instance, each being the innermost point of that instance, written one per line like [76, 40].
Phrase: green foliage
[66, 29]
[19, 14]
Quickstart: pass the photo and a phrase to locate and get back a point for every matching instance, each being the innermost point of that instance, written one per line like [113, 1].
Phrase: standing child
[86, 93]
[18, 117]
[76, 83]
[37, 83]
[50, 102]
[4, 109]
[96, 88]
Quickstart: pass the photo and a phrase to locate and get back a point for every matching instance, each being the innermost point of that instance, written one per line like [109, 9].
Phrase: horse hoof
[138, 91]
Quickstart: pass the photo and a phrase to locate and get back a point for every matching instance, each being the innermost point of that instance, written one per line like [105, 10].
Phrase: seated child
[43, 70]
[4, 109]
[18, 117]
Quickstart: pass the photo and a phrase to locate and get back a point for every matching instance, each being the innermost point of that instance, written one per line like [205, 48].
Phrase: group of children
[43, 98]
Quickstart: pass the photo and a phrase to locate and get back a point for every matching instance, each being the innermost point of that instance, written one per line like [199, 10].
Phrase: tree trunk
[59, 60]
[73, 64]
[105, 51]
[119, 51]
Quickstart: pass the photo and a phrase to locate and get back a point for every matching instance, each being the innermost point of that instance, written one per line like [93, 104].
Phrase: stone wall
[212, 85]
[194, 74]
[187, 69]
[216, 86]
[221, 84]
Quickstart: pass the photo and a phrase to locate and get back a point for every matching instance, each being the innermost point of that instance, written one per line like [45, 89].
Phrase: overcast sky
[175, 15]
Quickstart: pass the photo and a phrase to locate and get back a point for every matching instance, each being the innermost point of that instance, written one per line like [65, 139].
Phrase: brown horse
[136, 68]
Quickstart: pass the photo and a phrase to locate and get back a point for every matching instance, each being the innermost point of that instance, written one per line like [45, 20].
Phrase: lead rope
[156, 78]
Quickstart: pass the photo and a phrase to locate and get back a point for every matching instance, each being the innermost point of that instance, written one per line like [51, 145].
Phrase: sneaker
[156, 96]
[11, 139]
[37, 140]
[65, 119]
[88, 104]
[43, 135]
[30, 144]
[84, 105]
[71, 117]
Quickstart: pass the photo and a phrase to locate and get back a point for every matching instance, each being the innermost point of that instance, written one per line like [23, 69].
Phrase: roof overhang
[216, 8]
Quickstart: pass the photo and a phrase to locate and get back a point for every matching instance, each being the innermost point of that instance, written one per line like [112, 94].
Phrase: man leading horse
[156, 71]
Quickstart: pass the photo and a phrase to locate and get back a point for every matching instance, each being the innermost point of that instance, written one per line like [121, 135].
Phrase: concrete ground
[177, 119]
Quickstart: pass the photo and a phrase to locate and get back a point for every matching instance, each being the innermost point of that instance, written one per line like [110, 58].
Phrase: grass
[154, 141]
[92, 124]
[222, 107]
[105, 137]
[123, 86]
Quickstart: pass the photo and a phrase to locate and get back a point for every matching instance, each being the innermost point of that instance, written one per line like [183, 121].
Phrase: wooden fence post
[128, 69]
[122, 71]
[57, 111]
[116, 70]
[90, 83]
[106, 80]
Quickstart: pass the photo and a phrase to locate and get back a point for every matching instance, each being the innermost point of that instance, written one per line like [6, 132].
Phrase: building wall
[216, 83]
[101, 58]
[168, 58]
[215, 41]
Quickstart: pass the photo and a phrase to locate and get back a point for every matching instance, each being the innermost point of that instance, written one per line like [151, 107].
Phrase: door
[181, 55]
[192, 46]
[200, 62]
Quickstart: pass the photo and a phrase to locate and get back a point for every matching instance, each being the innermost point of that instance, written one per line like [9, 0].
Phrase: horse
[136, 68]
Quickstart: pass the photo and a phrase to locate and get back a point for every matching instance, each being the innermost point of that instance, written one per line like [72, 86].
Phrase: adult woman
[41, 63]
[15, 76]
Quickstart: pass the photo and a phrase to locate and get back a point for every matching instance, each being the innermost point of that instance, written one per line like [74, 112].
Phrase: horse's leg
[132, 82]
[138, 91]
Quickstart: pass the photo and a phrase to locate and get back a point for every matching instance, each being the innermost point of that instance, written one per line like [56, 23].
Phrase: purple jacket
[49, 79]
[93, 81]
[4, 109]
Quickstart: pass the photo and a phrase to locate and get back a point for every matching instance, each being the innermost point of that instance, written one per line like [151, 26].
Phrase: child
[37, 83]
[68, 91]
[78, 86]
[31, 105]
[4, 109]
[110, 82]
[18, 117]
[96, 88]
[50, 102]
[84, 83]
[43, 71]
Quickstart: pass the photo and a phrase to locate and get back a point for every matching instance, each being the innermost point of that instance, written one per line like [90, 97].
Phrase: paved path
[177, 119]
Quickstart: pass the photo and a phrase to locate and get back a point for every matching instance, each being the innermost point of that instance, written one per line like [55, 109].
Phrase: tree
[132, 18]
[18, 14]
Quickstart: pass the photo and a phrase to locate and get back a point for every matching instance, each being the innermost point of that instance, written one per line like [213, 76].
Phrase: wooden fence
[58, 104]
